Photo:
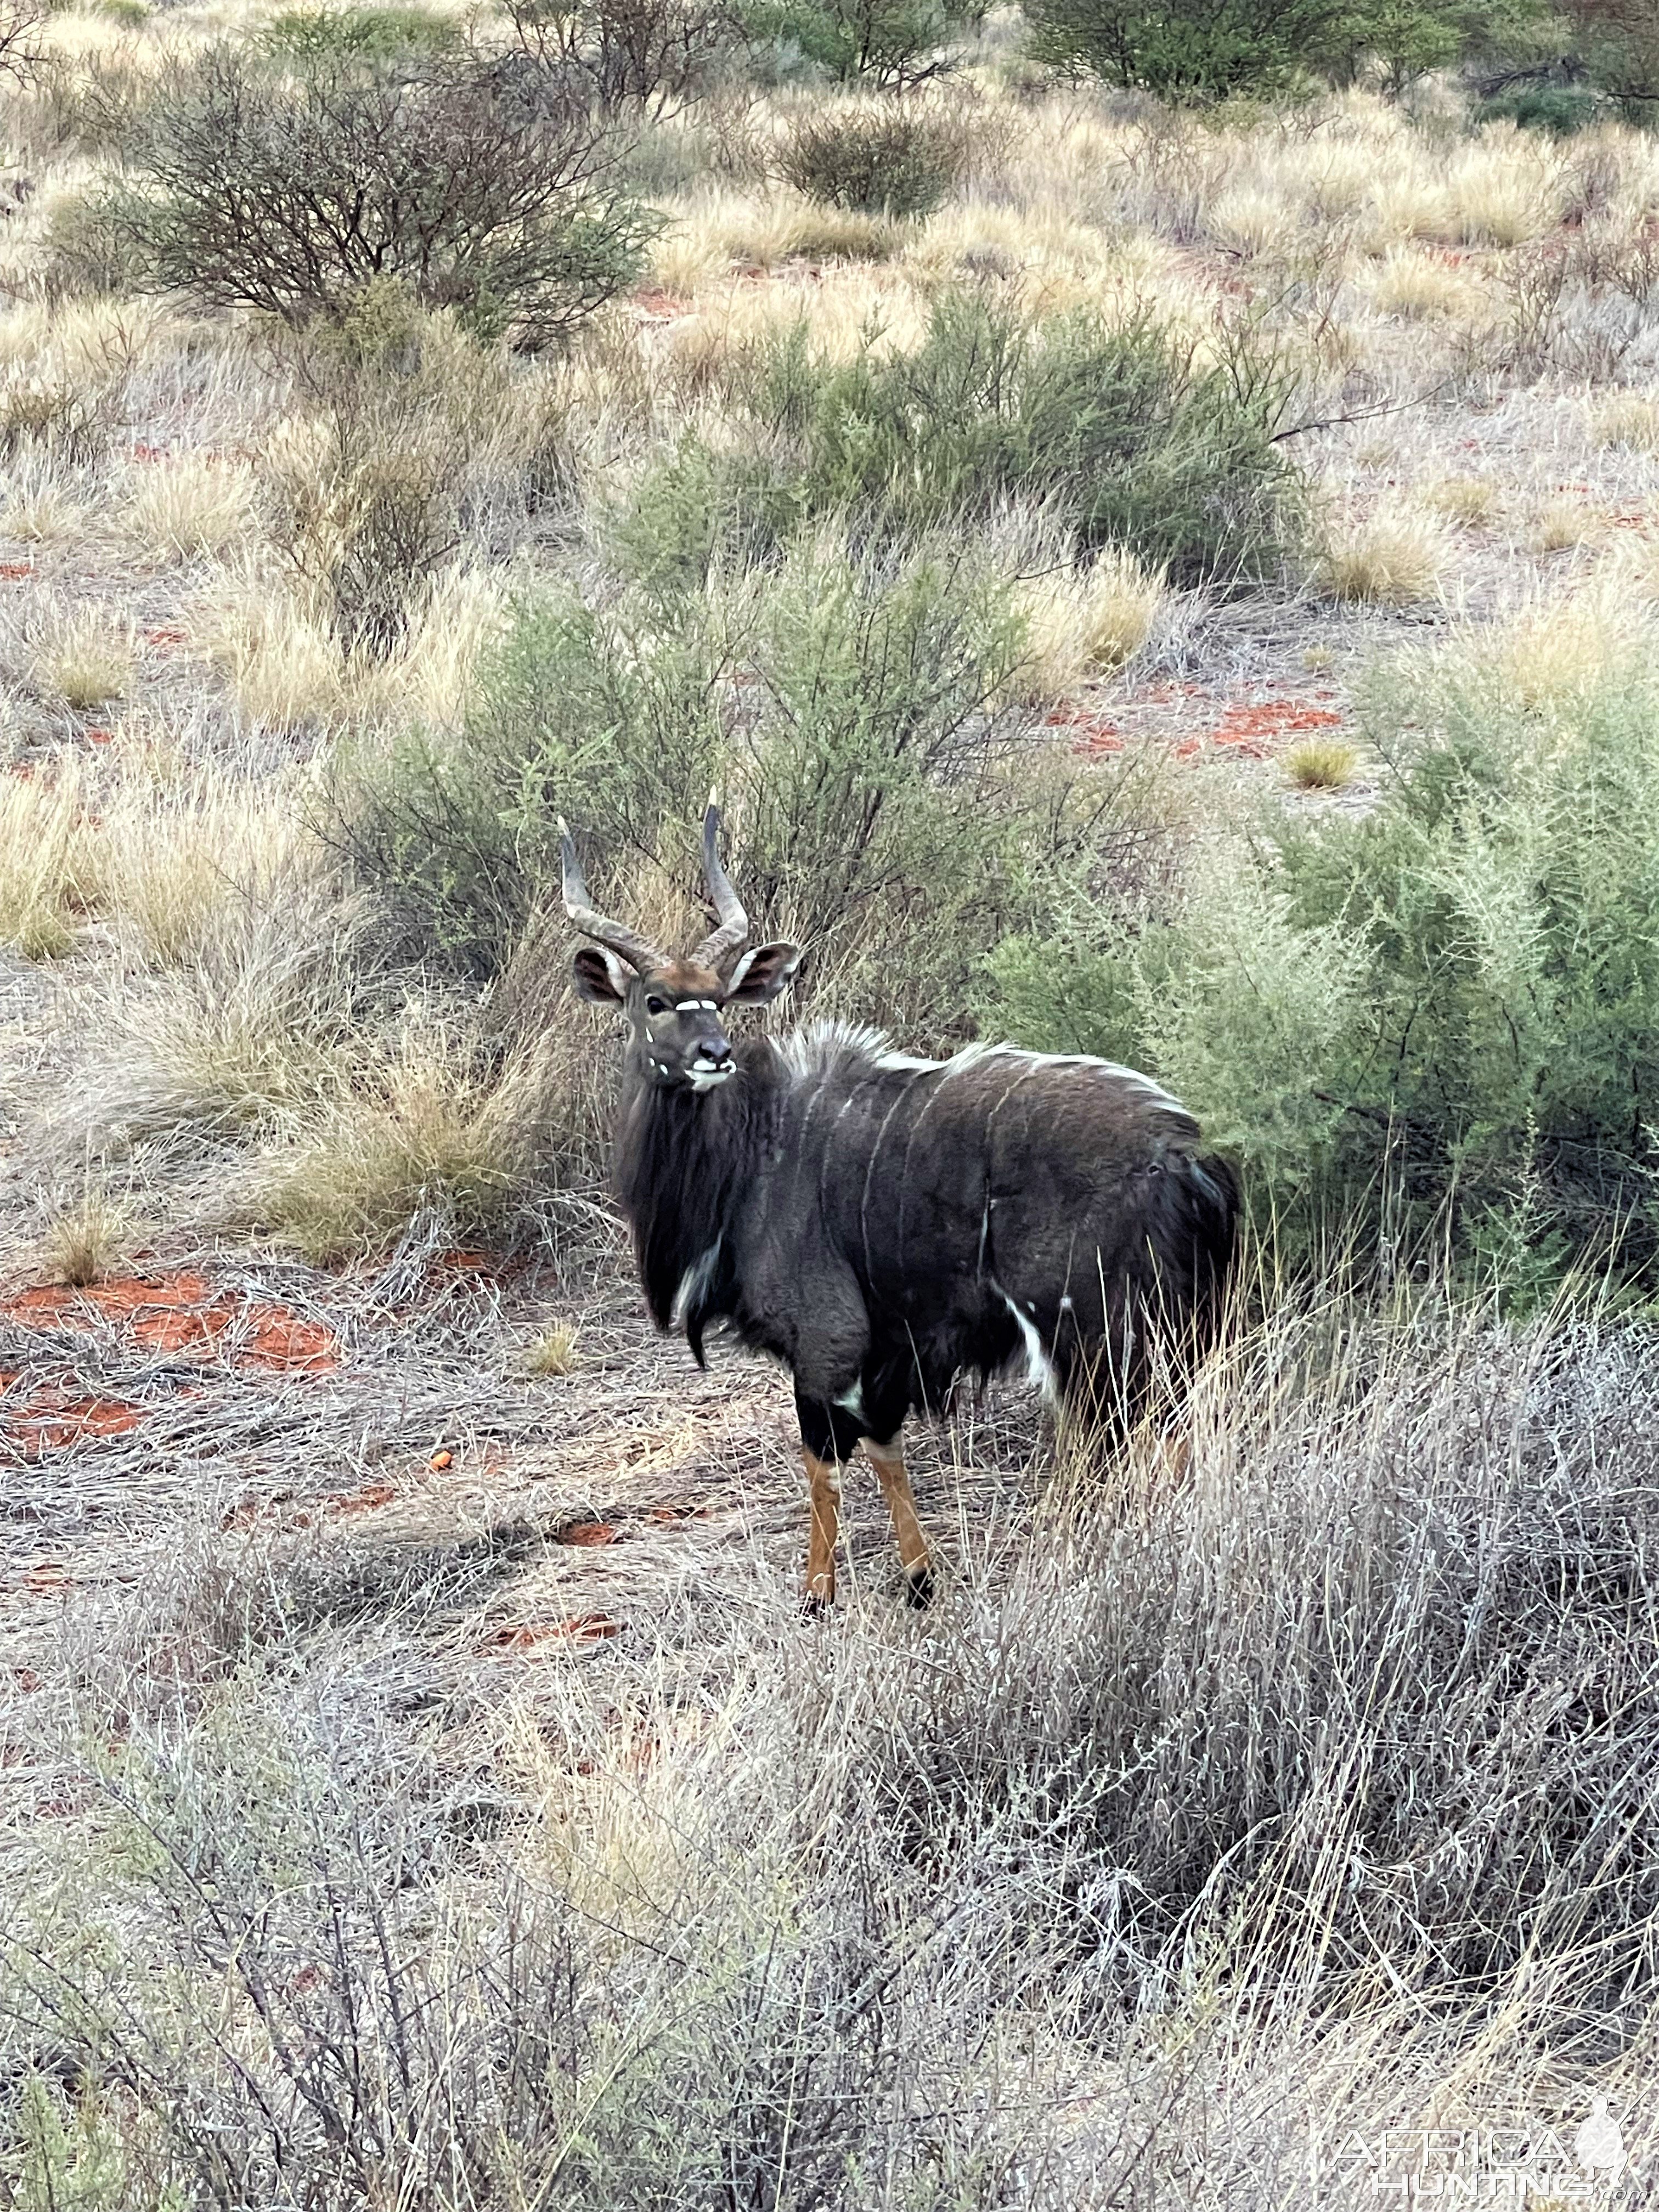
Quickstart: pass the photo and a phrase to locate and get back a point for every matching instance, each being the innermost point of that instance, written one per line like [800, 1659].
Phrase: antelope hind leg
[888, 1460]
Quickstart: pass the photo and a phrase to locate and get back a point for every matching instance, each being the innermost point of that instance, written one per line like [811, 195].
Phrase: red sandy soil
[588, 1533]
[1249, 729]
[181, 1313]
[575, 1628]
[50, 1417]
[177, 1312]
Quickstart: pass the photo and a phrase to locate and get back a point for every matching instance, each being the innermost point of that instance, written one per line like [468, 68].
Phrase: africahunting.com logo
[1529, 2164]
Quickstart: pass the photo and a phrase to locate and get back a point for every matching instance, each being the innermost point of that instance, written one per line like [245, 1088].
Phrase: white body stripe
[693, 1283]
[1039, 1368]
[811, 1052]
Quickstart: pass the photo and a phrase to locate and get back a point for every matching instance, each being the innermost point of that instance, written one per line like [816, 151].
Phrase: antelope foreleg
[888, 1460]
[824, 1485]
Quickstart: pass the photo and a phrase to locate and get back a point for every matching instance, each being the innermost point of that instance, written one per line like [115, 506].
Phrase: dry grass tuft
[1416, 286]
[554, 1351]
[431, 1129]
[192, 505]
[86, 1240]
[286, 668]
[1627, 418]
[1391, 557]
[1565, 522]
[1084, 622]
[44, 502]
[1469, 501]
[1557, 651]
[170, 856]
[40, 821]
[86, 661]
[1323, 763]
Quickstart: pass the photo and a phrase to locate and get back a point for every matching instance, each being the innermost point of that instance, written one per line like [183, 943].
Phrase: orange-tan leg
[823, 1483]
[889, 1463]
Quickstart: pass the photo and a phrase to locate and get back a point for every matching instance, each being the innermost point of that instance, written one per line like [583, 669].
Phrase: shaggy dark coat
[883, 1225]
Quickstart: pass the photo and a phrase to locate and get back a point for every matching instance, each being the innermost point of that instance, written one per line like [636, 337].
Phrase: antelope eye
[655, 1006]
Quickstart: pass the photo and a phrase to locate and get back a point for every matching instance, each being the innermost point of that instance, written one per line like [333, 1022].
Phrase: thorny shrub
[471, 179]
[889, 161]
[647, 57]
[891, 45]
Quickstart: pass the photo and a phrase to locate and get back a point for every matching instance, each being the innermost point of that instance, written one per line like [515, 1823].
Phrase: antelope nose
[717, 1053]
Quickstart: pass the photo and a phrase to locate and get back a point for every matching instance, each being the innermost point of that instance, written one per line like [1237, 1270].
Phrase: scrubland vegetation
[1150, 521]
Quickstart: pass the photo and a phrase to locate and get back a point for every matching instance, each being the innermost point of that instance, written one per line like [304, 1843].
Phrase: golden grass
[39, 817]
[1084, 621]
[285, 667]
[1564, 522]
[1505, 190]
[168, 856]
[83, 1240]
[43, 502]
[190, 505]
[1414, 285]
[85, 660]
[1249, 219]
[1323, 763]
[1627, 418]
[1470, 501]
[1395, 556]
[428, 1129]
[1636, 568]
[1556, 651]
[554, 1351]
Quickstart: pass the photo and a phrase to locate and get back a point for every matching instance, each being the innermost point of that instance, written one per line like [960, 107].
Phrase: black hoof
[919, 1588]
[814, 1606]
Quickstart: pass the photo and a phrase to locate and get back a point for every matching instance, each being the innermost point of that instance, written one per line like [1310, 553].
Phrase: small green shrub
[90, 251]
[595, 714]
[309, 36]
[1119, 429]
[1190, 50]
[1444, 1013]
[886, 162]
[1559, 109]
[696, 510]
[890, 45]
[291, 194]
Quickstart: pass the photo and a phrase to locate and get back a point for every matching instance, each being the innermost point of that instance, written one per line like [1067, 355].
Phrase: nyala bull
[884, 1226]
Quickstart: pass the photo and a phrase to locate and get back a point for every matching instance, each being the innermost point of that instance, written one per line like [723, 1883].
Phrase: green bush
[888, 161]
[452, 174]
[1123, 431]
[892, 45]
[1188, 50]
[1198, 50]
[89, 251]
[1445, 1015]
[1618, 42]
[1558, 109]
[310, 36]
[882, 808]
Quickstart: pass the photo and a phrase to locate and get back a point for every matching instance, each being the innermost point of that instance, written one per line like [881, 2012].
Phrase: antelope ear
[762, 974]
[600, 976]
